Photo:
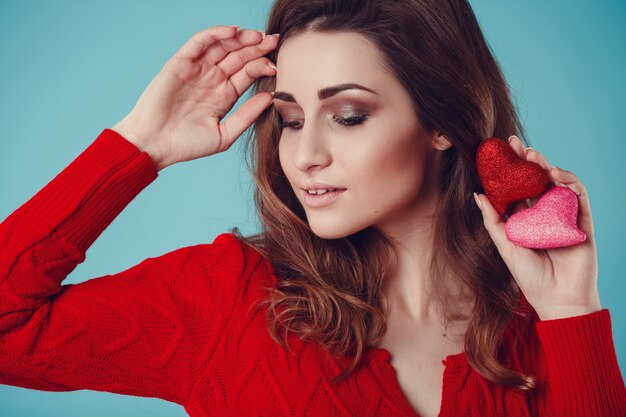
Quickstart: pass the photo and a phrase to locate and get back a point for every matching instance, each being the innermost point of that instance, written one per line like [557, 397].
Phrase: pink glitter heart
[551, 223]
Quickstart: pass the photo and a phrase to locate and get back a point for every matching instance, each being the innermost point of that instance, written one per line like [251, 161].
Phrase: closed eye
[351, 120]
[288, 125]
[344, 121]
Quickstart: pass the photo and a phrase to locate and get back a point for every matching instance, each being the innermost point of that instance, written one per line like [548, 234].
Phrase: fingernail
[478, 203]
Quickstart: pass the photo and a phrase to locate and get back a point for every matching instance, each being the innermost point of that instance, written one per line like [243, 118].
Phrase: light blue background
[71, 68]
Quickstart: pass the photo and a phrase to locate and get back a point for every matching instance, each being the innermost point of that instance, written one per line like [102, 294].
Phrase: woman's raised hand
[559, 282]
[177, 118]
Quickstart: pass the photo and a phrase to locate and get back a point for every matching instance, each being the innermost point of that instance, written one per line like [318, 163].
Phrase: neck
[408, 287]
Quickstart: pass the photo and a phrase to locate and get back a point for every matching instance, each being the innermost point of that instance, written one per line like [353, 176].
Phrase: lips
[320, 186]
[324, 198]
[320, 194]
[320, 191]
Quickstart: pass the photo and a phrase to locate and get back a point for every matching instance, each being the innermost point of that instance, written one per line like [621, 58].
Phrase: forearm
[42, 241]
[584, 378]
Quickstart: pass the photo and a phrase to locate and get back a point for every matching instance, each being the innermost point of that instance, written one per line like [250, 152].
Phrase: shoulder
[233, 263]
[223, 269]
[226, 253]
[231, 253]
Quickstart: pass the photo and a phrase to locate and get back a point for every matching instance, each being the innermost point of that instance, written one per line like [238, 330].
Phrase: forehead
[313, 60]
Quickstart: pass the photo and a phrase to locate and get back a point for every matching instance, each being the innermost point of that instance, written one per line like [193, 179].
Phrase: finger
[233, 62]
[534, 156]
[569, 179]
[243, 79]
[245, 37]
[242, 118]
[200, 41]
[495, 227]
[517, 146]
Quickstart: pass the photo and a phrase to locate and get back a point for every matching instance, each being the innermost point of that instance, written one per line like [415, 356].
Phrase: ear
[440, 141]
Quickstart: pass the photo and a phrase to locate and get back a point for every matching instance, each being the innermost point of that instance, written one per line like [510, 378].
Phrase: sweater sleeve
[583, 375]
[139, 332]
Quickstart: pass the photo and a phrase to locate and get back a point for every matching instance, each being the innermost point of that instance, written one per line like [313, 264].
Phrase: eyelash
[344, 121]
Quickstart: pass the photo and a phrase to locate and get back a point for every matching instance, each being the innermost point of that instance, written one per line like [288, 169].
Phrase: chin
[331, 231]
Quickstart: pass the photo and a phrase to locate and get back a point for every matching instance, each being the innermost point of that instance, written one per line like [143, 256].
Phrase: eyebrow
[324, 93]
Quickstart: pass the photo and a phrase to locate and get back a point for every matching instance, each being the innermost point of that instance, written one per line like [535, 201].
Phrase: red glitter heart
[505, 177]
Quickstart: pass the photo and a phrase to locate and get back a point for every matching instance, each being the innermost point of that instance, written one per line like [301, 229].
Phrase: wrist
[123, 129]
[562, 312]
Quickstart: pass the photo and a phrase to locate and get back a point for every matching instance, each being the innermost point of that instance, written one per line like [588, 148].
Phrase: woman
[378, 286]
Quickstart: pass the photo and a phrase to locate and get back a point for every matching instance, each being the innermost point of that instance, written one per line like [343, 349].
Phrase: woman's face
[369, 145]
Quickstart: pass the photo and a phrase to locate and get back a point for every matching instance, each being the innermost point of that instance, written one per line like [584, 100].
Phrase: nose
[311, 150]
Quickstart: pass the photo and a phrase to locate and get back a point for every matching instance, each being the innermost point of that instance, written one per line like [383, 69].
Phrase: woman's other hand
[177, 118]
[559, 282]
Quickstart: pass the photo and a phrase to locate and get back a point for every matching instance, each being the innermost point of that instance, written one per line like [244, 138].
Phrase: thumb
[494, 224]
[243, 117]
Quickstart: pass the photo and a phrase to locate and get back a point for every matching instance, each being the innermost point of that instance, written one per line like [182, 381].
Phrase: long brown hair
[329, 291]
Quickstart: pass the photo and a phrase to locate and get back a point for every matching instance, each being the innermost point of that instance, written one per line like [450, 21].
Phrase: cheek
[281, 155]
[391, 166]
[284, 158]
[389, 177]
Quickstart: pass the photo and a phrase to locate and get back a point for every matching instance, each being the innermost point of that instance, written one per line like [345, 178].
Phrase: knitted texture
[185, 326]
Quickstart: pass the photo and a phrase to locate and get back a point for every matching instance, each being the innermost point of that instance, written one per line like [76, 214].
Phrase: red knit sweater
[180, 326]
